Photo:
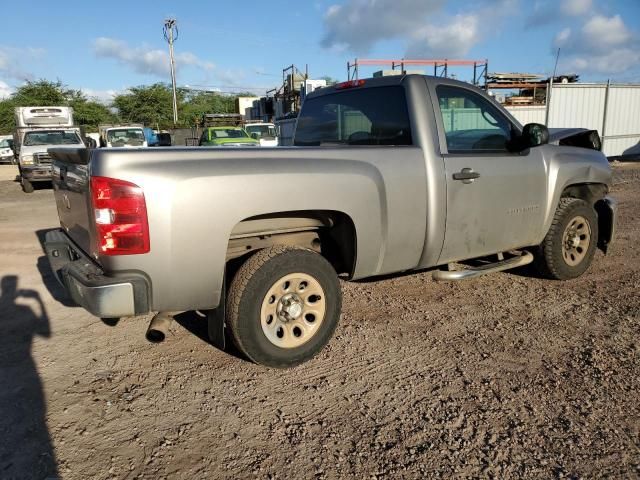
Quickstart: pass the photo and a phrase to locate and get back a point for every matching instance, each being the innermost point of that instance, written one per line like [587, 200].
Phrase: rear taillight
[120, 215]
[349, 84]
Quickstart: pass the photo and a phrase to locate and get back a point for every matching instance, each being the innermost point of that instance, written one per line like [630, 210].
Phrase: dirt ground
[506, 376]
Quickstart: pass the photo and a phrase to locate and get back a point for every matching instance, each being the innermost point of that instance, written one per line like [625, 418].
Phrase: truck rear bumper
[101, 295]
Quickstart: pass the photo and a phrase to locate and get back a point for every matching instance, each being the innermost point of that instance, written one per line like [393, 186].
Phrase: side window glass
[471, 123]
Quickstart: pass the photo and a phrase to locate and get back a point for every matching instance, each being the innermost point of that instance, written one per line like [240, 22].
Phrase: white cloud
[359, 24]
[576, 8]
[12, 59]
[144, 59]
[454, 39]
[603, 45]
[102, 96]
[563, 36]
[545, 12]
[5, 90]
[615, 62]
[606, 32]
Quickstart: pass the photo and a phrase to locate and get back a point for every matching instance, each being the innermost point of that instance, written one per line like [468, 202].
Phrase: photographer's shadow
[25, 448]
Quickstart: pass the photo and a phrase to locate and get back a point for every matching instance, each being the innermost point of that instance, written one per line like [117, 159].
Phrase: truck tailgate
[73, 198]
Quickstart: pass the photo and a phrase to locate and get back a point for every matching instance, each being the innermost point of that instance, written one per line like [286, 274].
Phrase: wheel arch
[594, 194]
[329, 232]
[589, 192]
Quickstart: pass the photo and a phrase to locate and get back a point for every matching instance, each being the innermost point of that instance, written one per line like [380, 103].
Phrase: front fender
[568, 167]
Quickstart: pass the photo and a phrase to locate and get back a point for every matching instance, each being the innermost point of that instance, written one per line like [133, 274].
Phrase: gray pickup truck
[388, 175]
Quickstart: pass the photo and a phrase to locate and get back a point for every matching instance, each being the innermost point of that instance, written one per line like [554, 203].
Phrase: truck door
[495, 197]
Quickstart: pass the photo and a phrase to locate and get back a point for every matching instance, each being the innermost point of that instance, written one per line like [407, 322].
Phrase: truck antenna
[555, 68]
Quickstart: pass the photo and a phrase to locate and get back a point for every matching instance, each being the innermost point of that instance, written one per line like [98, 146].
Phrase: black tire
[550, 261]
[249, 290]
[27, 186]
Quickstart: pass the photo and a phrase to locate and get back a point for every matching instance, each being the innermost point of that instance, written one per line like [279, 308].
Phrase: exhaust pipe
[159, 326]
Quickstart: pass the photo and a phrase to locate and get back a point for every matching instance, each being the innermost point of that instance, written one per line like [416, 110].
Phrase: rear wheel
[283, 306]
[570, 244]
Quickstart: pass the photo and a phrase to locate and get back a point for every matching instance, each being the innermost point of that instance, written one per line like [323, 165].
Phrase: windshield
[125, 136]
[263, 131]
[228, 133]
[51, 137]
[6, 143]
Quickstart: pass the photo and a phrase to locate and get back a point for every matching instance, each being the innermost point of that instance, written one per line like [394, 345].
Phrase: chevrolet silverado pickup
[387, 175]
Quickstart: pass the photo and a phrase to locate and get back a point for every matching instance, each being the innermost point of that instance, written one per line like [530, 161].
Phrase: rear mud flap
[216, 320]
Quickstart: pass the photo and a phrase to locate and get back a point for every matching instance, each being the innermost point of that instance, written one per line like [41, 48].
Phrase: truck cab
[265, 133]
[120, 136]
[38, 129]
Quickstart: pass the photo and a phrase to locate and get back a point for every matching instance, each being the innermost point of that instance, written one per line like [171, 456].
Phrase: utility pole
[171, 35]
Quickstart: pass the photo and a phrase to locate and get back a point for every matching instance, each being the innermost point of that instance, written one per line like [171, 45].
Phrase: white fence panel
[577, 106]
[528, 114]
[582, 105]
[622, 129]
[623, 110]
[612, 147]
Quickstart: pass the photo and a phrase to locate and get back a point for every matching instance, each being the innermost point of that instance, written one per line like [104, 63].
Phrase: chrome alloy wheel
[575, 241]
[293, 310]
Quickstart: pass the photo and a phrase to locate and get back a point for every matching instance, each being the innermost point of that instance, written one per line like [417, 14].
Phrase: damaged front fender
[575, 137]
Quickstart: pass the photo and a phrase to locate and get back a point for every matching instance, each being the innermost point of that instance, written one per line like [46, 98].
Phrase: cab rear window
[368, 116]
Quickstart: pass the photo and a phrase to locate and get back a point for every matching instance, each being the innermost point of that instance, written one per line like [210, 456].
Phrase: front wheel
[570, 244]
[283, 306]
[27, 186]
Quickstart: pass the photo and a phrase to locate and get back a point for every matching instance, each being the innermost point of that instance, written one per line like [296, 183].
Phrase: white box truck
[37, 130]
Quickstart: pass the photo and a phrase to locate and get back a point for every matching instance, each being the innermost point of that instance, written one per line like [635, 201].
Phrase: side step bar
[472, 272]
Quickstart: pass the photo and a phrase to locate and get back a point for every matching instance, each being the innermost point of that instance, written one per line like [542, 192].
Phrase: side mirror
[255, 135]
[534, 134]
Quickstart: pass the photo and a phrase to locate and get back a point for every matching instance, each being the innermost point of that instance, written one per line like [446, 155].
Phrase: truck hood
[31, 149]
[575, 137]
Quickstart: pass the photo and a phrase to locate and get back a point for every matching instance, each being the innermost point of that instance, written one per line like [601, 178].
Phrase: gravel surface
[506, 376]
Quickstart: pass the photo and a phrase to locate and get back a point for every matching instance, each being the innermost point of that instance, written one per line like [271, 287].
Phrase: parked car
[632, 152]
[151, 137]
[227, 137]
[6, 151]
[396, 174]
[125, 135]
[265, 133]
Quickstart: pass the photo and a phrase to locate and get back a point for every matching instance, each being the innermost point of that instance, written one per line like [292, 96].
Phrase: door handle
[467, 175]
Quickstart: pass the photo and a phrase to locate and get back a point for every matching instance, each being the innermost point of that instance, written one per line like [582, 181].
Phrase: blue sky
[105, 47]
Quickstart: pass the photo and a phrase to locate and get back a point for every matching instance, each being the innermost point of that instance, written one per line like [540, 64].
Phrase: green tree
[329, 80]
[45, 93]
[197, 103]
[151, 105]
[42, 93]
[91, 113]
[6, 116]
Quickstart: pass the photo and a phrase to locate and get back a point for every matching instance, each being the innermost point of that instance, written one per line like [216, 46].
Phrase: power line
[233, 87]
